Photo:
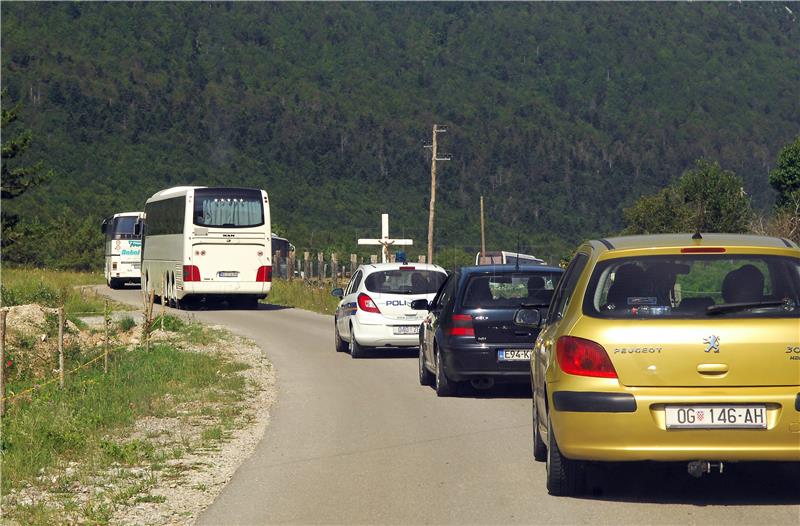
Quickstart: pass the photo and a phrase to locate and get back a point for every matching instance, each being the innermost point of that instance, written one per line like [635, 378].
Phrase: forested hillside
[561, 114]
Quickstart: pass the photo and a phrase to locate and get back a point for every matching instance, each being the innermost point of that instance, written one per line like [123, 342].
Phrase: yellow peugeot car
[674, 347]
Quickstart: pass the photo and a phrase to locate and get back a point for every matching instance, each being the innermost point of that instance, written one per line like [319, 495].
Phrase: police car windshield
[405, 281]
[695, 286]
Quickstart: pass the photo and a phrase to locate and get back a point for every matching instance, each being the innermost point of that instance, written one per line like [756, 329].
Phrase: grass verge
[56, 442]
[53, 288]
[306, 295]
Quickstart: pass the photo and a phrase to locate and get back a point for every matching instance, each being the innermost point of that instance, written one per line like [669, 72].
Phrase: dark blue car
[470, 333]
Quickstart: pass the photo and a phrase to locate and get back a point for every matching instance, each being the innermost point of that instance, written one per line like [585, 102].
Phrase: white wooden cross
[385, 241]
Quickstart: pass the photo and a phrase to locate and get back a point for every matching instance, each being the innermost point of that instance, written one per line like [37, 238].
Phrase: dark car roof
[501, 269]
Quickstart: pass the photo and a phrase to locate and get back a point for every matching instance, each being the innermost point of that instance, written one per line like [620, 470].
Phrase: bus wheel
[113, 283]
[173, 295]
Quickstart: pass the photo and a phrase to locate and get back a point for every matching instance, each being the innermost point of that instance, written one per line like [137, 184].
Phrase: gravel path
[202, 474]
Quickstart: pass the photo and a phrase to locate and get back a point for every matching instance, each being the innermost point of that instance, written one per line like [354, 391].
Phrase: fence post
[106, 323]
[61, 347]
[334, 268]
[3, 314]
[353, 264]
[421, 258]
[276, 265]
[373, 258]
[163, 294]
[290, 265]
[320, 266]
[307, 265]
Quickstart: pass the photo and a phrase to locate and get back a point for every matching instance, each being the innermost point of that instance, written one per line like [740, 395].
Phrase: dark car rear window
[695, 286]
[405, 281]
[510, 289]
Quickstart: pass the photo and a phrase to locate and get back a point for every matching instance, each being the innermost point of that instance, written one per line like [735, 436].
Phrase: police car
[375, 307]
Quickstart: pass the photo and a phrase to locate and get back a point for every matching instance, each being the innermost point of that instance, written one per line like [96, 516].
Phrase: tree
[16, 180]
[785, 178]
[706, 199]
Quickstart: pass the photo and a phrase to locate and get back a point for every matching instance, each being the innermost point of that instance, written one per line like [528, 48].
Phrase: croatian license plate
[227, 274]
[513, 355]
[716, 416]
[406, 329]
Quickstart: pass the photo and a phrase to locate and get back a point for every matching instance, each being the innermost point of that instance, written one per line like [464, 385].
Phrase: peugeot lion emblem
[712, 343]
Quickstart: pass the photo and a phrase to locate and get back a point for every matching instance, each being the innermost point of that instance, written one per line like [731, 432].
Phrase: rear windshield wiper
[733, 307]
[532, 305]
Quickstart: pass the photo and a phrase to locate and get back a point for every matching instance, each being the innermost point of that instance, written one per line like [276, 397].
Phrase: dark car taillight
[583, 358]
[462, 325]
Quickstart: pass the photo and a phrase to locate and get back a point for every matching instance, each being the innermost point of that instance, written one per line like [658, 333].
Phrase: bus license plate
[227, 274]
[716, 416]
[513, 355]
[406, 329]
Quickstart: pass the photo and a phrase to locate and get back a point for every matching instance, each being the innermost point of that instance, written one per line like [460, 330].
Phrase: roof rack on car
[607, 243]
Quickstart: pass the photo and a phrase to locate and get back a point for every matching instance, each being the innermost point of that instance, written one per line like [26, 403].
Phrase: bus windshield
[124, 227]
[228, 207]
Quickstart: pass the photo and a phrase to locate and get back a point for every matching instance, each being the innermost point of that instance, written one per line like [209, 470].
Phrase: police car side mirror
[339, 292]
[527, 317]
[420, 305]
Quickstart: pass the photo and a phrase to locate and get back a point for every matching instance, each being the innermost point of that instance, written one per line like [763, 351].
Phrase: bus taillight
[264, 274]
[191, 273]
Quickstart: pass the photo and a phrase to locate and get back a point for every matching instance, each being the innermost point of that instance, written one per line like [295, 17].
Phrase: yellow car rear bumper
[634, 432]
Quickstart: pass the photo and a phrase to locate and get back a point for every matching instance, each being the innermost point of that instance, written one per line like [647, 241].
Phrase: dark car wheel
[425, 376]
[339, 343]
[444, 387]
[565, 477]
[356, 351]
[539, 447]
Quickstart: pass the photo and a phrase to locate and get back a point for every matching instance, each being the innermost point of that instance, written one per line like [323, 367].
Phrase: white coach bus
[123, 248]
[211, 243]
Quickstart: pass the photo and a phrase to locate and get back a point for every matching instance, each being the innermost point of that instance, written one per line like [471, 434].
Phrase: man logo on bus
[712, 343]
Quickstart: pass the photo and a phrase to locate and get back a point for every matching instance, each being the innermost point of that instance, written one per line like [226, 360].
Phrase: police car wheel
[356, 351]
[339, 343]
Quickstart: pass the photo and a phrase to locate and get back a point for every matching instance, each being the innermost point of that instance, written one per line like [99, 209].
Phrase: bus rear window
[124, 227]
[228, 207]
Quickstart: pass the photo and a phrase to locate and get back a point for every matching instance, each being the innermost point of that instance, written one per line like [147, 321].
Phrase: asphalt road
[361, 442]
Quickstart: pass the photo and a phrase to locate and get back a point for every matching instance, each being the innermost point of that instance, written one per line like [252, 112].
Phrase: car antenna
[517, 267]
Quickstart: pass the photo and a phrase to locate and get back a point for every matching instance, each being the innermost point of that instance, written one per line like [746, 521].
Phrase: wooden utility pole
[483, 233]
[432, 208]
